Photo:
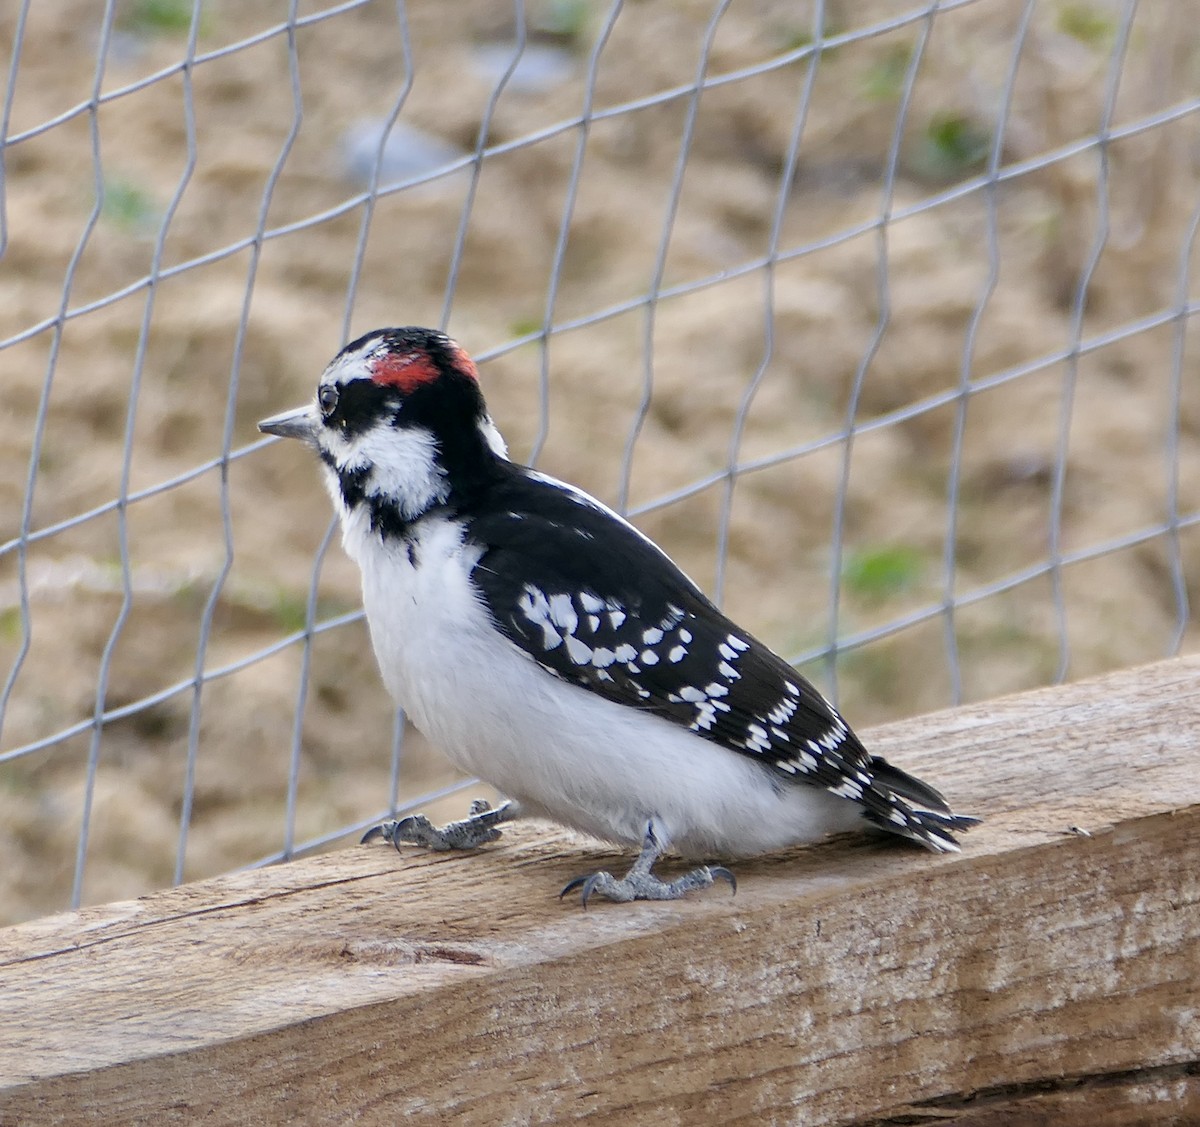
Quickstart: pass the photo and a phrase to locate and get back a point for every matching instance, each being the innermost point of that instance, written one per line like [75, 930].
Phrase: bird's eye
[328, 399]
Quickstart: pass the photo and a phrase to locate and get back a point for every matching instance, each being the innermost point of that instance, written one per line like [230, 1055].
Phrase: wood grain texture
[1151, 1096]
[1042, 973]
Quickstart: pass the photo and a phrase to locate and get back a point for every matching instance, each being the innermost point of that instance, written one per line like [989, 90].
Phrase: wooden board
[1043, 975]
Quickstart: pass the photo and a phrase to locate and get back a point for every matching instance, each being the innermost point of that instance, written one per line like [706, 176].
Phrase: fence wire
[879, 321]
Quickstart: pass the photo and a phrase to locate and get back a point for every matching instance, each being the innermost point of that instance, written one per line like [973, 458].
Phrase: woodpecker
[551, 649]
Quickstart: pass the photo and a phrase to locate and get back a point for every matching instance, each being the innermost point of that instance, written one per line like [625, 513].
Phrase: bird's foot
[478, 828]
[641, 884]
[646, 886]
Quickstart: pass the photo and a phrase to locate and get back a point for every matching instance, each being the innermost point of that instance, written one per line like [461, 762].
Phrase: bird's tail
[915, 810]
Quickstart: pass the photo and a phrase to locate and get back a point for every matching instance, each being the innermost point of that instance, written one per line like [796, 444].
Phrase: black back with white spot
[598, 605]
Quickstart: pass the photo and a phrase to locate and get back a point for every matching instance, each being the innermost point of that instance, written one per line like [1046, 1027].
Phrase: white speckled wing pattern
[595, 603]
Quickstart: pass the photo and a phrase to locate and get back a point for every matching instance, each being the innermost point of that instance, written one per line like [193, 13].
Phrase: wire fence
[881, 322]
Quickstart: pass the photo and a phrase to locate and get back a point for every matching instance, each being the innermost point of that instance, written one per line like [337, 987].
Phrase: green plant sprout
[884, 81]
[882, 572]
[952, 145]
[158, 17]
[1088, 25]
[128, 207]
[566, 20]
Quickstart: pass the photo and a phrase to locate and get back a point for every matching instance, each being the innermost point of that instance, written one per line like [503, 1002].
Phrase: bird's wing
[594, 602]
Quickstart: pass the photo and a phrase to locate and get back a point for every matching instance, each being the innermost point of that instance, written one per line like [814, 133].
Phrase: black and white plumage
[550, 648]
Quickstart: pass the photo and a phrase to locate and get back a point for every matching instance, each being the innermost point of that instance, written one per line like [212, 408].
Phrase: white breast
[562, 751]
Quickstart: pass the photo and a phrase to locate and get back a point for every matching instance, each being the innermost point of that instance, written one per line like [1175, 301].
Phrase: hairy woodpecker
[548, 647]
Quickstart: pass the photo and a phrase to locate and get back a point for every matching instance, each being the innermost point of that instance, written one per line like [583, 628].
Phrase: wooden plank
[1167, 1096]
[851, 982]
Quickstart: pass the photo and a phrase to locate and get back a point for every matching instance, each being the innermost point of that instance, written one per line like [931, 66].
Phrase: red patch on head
[408, 369]
[462, 362]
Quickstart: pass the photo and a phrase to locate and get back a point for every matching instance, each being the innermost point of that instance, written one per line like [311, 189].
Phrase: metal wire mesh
[879, 321]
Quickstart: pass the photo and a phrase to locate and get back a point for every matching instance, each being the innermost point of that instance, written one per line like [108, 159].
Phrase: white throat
[398, 465]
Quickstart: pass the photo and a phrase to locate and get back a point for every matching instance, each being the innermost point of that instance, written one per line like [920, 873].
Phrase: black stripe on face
[360, 405]
[386, 518]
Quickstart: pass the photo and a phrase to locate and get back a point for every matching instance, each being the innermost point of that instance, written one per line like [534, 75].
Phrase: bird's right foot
[641, 884]
[646, 886]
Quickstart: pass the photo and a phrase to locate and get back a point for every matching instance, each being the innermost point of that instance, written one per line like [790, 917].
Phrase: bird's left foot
[641, 884]
[477, 829]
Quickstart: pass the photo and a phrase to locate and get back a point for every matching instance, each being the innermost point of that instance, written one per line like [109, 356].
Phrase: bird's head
[398, 420]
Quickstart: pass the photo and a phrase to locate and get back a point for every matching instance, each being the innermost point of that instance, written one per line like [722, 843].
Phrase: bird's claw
[377, 833]
[477, 829]
[719, 871]
[413, 830]
[586, 881]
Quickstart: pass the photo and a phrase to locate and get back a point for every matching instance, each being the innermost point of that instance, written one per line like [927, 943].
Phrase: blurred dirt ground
[885, 321]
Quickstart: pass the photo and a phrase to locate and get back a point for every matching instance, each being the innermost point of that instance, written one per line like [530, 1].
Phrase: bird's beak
[300, 423]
